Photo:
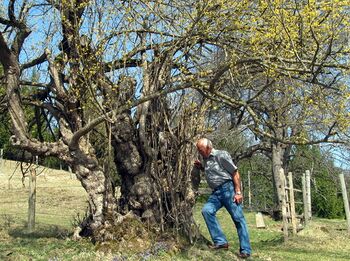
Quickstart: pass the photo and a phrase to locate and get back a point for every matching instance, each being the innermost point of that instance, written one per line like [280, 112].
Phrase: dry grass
[59, 195]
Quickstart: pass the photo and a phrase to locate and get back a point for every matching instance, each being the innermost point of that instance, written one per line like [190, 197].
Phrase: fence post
[345, 199]
[308, 191]
[306, 210]
[71, 174]
[31, 200]
[284, 204]
[249, 192]
[292, 202]
[1, 159]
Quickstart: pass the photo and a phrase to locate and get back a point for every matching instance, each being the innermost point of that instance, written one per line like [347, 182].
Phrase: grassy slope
[60, 198]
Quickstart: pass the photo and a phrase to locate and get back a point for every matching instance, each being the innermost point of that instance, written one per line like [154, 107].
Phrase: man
[223, 177]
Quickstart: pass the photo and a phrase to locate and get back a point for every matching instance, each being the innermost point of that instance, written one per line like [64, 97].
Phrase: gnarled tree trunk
[102, 204]
[155, 164]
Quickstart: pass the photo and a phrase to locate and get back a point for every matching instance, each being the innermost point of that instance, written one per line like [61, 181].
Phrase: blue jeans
[223, 196]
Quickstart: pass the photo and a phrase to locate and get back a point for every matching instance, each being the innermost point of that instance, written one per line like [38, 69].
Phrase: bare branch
[36, 61]
[8, 22]
[55, 75]
[11, 10]
[35, 84]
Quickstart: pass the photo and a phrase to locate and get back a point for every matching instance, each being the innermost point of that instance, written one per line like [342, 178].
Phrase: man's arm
[199, 165]
[238, 197]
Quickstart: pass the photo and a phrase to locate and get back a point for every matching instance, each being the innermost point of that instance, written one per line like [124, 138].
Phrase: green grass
[60, 198]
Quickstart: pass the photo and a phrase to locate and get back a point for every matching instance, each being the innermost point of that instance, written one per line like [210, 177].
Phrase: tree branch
[36, 61]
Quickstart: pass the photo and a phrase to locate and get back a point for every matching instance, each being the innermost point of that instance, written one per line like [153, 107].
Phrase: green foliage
[325, 187]
[261, 182]
[327, 202]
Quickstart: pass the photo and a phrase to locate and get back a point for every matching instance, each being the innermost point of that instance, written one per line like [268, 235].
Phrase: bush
[326, 201]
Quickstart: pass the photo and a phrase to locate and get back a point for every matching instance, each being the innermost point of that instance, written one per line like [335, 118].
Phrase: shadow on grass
[50, 231]
[272, 242]
[202, 198]
[311, 254]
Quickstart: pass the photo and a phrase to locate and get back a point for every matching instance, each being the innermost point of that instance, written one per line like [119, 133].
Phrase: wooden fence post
[1, 159]
[71, 174]
[345, 199]
[306, 210]
[284, 204]
[31, 200]
[308, 191]
[249, 192]
[292, 202]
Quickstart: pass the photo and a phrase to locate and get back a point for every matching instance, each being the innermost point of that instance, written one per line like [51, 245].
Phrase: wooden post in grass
[306, 211]
[292, 202]
[1, 159]
[249, 192]
[345, 199]
[284, 204]
[72, 175]
[31, 200]
[308, 191]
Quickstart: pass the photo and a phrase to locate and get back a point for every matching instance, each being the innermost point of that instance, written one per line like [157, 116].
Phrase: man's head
[204, 147]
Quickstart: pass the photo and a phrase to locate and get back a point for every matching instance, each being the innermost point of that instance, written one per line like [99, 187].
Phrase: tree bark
[277, 164]
[102, 205]
[155, 166]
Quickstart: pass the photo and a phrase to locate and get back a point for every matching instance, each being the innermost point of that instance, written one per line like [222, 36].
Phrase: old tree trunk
[277, 165]
[154, 158]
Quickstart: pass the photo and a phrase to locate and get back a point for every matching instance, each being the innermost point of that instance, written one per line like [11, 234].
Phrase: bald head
[204, 147]
[204, 142]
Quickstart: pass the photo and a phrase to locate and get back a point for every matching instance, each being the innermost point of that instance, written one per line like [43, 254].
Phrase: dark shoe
[217, 247]
[243, 255]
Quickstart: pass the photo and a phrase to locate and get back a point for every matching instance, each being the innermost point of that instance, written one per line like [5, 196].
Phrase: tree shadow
[272, 242]
[46, 231]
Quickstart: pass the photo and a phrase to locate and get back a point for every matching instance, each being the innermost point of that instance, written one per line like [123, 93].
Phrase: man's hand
[238, 198]
[198, 164]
